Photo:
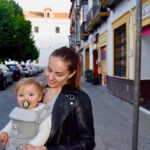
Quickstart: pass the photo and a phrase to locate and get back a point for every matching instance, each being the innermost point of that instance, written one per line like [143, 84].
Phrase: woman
[72, 118]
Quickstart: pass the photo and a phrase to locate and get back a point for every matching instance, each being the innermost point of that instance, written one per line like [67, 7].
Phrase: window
[120, 51]
[36, 29]
[48, 15]
[57, 30]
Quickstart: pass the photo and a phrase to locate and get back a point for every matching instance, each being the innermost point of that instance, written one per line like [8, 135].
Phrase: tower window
[57, 29]
[36, 29]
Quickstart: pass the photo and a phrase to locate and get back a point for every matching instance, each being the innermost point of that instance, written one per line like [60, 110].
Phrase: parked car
[27, 71]
[35, 69]
[40, 69]
[5, 76]
[17, 71]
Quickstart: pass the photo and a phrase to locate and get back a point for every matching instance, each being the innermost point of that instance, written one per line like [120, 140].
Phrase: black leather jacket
[72, 122]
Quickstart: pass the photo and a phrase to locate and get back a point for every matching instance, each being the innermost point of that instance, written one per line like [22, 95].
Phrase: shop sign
[146, 11]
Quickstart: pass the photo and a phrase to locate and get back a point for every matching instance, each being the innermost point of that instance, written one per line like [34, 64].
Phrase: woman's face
[57, 72]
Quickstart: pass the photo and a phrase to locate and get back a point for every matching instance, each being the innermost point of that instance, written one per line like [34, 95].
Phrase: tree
[16, 40]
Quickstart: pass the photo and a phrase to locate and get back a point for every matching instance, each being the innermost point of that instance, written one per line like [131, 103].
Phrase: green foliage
[16, 41]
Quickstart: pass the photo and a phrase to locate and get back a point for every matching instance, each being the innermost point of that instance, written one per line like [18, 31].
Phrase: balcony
[84, 34]
[72, 25]
[104, 3]
[77, 6]
[96, 16]
[112, 3]
[89, 20]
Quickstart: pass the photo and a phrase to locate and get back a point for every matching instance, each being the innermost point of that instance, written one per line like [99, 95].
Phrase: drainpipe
[137, 75]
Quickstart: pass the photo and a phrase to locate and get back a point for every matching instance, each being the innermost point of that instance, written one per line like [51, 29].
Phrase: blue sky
[56, 5]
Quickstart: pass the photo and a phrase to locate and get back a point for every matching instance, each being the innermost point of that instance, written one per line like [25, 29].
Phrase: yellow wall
[145, 22]
[124, 19]
[86, 57]
[102, 41]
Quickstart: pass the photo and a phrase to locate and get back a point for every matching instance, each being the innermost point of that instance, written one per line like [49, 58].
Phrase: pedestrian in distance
[72, 117]
[31, 121]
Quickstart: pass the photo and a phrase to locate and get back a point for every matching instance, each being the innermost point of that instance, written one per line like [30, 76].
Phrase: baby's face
[28, 96]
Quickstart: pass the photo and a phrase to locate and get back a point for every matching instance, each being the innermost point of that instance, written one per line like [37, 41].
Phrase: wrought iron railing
[83, 27]
[96, 8]
[89, 17]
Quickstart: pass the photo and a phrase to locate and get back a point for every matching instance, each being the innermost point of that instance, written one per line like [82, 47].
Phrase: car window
[1, 69]
[12, 68]
[7, 68]
[23, 66]
[4, 68]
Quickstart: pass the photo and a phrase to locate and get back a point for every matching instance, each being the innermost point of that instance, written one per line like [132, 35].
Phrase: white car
[28, 72]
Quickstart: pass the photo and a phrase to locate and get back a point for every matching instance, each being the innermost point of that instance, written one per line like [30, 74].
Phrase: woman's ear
[72, 74]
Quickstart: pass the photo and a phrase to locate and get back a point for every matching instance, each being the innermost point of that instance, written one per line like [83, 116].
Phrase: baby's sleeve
[44, 131]
[7, 128]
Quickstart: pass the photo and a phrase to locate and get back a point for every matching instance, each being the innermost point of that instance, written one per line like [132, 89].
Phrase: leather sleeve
[84, 126]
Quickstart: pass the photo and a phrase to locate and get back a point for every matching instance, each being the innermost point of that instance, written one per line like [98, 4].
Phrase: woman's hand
[30, 147]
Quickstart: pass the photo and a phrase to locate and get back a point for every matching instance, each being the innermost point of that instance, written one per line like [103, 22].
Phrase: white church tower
[50, 30]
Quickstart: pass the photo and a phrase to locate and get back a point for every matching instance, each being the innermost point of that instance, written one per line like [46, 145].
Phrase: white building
[108, 45]
[50, 30]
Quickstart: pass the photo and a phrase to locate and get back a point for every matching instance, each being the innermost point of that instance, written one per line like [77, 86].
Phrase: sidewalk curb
[145, 110]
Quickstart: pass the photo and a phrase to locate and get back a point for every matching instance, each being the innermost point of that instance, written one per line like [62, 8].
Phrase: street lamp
[137, 75]
[69, 38]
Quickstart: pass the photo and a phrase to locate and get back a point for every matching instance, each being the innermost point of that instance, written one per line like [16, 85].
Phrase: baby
[30, 122]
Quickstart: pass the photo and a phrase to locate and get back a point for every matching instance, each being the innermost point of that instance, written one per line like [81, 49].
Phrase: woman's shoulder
[68, 89]
[82, 93]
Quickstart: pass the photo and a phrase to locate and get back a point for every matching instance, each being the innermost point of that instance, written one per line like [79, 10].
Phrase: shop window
[120, 51]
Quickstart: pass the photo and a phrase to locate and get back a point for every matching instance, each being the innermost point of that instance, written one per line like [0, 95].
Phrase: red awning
[146, 30]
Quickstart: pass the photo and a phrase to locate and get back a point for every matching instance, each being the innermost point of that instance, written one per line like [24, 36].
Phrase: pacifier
[26, 103]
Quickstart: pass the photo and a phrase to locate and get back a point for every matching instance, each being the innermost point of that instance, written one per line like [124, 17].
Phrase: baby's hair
[30, 81]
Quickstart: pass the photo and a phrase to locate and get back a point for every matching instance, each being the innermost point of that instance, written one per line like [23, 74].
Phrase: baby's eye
[21, 95]
[31, 94]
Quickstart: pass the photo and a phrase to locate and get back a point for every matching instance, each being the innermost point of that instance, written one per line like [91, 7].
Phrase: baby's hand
[3, 138]
[30, 147]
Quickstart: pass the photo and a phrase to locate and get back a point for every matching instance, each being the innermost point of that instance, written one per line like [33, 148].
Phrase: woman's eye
[49, 70]
[59, 75]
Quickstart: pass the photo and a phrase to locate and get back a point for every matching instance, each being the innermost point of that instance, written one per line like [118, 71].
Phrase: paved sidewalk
[113, 118]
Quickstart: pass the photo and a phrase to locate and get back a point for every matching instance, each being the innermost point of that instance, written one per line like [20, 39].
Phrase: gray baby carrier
[25, 126]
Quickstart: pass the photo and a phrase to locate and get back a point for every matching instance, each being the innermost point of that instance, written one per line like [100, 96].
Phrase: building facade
[50, 30]
[108, 41]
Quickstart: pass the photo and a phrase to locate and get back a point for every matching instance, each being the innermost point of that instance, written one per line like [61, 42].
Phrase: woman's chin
[51, 85]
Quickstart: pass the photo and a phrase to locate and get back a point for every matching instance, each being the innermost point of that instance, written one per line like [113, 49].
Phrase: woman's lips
[51, 82]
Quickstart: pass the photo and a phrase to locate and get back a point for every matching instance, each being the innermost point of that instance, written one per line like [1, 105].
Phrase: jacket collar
[62, 108]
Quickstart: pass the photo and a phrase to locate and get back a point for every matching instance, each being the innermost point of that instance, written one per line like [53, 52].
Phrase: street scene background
[113, 117]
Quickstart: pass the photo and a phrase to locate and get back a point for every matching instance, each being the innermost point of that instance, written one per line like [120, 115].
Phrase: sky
[39, 5]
